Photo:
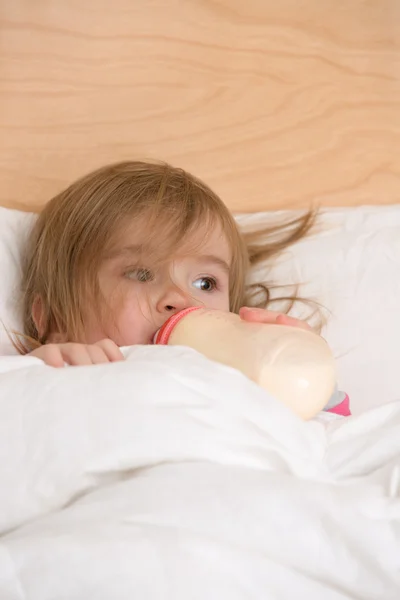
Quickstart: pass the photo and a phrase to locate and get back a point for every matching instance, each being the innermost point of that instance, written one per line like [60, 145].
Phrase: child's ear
[39, 318]
[38, 315]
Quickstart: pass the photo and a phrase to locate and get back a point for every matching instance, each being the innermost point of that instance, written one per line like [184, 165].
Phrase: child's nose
[173, 300]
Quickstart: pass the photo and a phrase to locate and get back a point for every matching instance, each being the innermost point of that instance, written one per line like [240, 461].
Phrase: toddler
[121, 249]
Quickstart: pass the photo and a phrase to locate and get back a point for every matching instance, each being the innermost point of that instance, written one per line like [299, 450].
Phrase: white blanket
[171, 477]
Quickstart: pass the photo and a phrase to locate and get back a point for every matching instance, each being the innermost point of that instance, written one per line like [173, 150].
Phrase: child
[120, 250]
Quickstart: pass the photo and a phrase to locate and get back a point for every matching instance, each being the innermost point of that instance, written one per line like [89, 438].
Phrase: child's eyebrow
[211, 258]
[139, 249]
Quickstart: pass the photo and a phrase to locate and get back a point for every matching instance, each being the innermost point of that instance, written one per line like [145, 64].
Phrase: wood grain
[274, 104]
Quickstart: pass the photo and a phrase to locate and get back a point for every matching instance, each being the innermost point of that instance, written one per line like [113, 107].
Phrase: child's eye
[141, 275]
[205, 284]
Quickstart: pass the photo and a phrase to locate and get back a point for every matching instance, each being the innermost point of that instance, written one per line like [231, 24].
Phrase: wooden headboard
[275, 104]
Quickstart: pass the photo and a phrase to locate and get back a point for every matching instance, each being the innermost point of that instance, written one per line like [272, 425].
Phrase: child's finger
[50, 354]
[97, 355]
[76, 355]
[111, 350]
[259, 315]
[292, 322]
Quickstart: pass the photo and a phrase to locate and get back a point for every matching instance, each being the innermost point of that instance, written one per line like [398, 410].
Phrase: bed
[161, 486]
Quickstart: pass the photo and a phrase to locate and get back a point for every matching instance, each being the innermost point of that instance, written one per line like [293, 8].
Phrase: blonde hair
[79, 226]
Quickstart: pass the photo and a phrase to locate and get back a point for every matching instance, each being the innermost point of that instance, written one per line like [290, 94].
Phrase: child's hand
[56, 355]
[260, 315]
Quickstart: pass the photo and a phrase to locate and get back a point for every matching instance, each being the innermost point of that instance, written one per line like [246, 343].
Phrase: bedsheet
[168, 476]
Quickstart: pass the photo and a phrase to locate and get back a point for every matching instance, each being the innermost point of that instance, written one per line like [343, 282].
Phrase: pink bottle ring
[162, 336]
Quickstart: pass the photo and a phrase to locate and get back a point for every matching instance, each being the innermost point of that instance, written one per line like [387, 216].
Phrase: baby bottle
[293, 365]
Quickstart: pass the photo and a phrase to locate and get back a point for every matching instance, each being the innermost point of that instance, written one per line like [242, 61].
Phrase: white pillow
[352, 266]
[14, 229]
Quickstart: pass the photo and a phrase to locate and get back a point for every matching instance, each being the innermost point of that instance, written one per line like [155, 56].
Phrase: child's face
[141, 300]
